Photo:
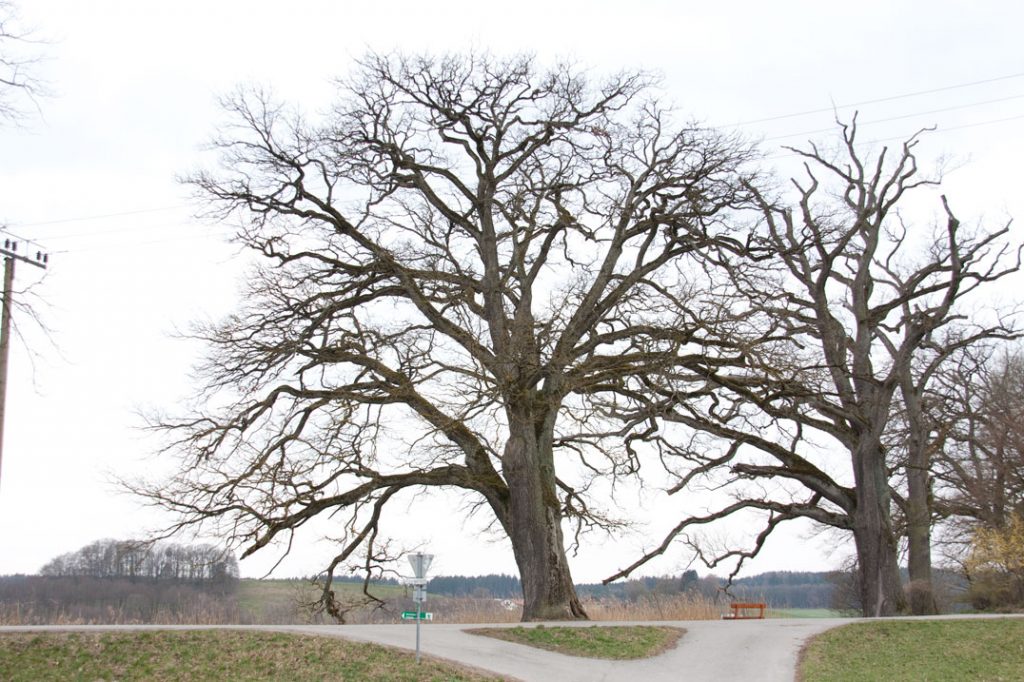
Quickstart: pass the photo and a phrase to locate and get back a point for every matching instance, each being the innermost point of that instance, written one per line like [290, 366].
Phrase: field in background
[275, 601]
[72, 601]
[28, 600]
[807, 613]
[112, 597]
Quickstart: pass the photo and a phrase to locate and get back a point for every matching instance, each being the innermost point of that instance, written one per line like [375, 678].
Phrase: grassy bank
[896, 650]
[210, 655]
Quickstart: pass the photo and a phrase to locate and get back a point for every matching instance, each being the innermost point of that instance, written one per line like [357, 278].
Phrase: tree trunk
[534, 526]
[880, 591]
[877, 553]
[919, 507]
[919, 540]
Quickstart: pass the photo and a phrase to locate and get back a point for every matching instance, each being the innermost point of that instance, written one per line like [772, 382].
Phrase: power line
[877, 100]
[904, 137]
[743, 123]
[902, 116]
[126, 245]
[122, 230]
[943, 129]
[105, 215]
[767, 158]
[982, 123]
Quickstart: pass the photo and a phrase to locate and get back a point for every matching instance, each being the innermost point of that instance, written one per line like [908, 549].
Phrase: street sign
[423, 615]
[420, 563]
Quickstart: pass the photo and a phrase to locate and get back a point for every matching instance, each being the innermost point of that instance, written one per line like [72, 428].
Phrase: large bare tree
[863, 304]
[459, 261]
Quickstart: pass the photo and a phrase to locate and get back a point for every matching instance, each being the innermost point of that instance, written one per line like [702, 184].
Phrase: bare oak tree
[977, 407]
[459, 261]
[858, 306]
[920, 434]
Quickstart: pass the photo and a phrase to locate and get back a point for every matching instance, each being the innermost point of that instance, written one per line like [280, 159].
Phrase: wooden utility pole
[9, 249]
[5, 345]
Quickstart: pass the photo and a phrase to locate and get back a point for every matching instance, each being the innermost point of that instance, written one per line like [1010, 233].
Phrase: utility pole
[9, 249]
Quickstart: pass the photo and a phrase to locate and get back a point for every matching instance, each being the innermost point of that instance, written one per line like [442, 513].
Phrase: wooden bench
[745, 611]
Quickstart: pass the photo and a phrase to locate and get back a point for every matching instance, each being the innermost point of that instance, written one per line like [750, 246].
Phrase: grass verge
[614, 642]
[917, 650]
[210, 655]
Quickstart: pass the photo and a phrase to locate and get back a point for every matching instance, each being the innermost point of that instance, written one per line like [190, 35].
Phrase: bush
[996, 565]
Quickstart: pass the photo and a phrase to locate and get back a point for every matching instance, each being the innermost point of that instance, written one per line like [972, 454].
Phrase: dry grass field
[278, 602]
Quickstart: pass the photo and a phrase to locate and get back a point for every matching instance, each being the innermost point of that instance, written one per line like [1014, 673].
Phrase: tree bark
[919, 542]
[919, 547]
[881, 593]
[534, 526]
[918, 506]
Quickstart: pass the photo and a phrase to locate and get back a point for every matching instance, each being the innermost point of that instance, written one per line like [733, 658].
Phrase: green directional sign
[411, 615]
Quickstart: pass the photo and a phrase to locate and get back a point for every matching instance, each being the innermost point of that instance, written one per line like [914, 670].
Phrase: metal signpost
[420, 563]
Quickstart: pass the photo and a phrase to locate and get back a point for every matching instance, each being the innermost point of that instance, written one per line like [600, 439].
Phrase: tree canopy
[523, 284]
[464, 264]
[850, 315]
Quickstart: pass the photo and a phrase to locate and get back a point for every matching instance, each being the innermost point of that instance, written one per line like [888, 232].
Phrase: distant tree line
[146, 561]
[788, 589]
[780, 589]
[88, 600]
[497, 586]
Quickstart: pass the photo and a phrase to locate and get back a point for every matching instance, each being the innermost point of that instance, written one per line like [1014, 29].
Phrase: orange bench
[745, 611]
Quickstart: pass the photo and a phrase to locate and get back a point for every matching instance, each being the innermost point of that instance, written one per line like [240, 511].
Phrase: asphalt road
[764, 650]
[711, 650]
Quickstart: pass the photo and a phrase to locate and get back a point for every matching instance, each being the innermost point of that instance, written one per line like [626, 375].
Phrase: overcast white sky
[134, 84]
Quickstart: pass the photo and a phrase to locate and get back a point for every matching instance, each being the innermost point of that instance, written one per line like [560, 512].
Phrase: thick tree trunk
[881, 593]
[548, 591]
[534, 527]
[919, 541]
[919, 509]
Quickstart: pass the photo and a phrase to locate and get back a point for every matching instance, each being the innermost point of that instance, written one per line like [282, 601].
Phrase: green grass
[209, 655]
[917, 650]
[615, 642]
[805, 613]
